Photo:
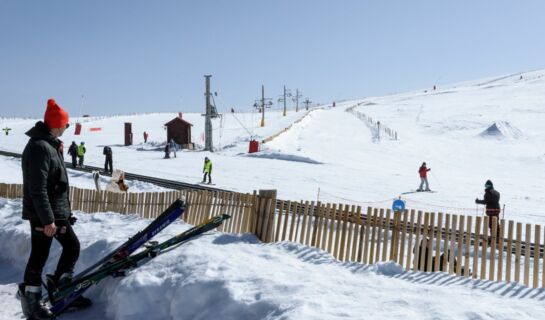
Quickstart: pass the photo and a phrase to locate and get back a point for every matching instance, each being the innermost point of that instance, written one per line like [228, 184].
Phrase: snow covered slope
[467, 133]
[222, 276]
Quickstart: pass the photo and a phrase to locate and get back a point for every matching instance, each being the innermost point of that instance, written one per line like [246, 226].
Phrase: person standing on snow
[73, 152]
[167, 151]
[81, 154]
[423, 171]
[173, 146]
[108, 163]
[492, 201]
[46, 206]
[145, 137]
[207, 170]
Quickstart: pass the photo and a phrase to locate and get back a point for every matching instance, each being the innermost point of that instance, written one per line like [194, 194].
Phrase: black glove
[476, 200]
[72, 220]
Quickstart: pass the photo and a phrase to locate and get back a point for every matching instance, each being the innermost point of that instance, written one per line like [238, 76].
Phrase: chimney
[180, 115]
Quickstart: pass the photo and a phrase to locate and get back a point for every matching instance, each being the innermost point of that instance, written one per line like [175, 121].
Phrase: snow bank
[225, 276]
[502, 130]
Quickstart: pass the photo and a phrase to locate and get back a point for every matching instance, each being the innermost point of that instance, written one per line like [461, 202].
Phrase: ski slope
[467, 133]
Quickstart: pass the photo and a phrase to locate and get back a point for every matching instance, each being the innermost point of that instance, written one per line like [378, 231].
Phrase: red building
[179, 130]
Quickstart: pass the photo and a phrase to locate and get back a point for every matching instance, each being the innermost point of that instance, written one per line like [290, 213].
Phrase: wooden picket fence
[381, 235]
[199, 204]
[374, 125]
[414, 240]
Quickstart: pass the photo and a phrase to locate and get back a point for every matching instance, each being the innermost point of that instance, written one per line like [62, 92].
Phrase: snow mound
[502, 130]
[388, 268]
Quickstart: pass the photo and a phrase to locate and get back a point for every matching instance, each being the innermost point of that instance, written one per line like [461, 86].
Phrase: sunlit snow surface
[329, 155]
[223, 276]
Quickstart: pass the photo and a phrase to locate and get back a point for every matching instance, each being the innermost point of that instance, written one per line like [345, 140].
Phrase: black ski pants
[108, 164]
[74, 161]
[40, 252]
[209, 177]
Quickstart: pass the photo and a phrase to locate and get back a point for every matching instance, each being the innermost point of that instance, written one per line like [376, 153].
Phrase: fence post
[265, 214]
[537, 235]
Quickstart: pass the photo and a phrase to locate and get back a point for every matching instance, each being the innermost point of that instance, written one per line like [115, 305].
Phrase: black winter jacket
[45, 182]
[492, 202]
[73, 150]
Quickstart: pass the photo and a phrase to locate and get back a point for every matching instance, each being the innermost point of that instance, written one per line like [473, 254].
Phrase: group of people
[491, 198]
[170, 146]
[46, 206]
[77, 153]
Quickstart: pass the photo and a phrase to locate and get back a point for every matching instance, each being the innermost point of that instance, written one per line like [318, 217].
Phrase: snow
[223, 276]
[327, 154]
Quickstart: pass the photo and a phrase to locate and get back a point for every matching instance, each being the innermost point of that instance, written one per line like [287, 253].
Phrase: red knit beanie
[55, 116]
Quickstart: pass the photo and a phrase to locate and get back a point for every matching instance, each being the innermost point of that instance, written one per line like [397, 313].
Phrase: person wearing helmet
[423, 171]
[81, 154]
[207, 170]
[492, 202]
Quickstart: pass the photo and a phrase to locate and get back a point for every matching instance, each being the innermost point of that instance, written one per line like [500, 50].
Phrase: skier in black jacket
[46, 206]
[73, 152]
[492, 201]
[107, 151]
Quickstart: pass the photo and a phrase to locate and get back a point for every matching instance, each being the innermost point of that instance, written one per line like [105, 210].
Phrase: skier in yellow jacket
[207, 170]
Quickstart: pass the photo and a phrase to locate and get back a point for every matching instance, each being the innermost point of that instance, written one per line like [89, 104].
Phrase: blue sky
[150, 56]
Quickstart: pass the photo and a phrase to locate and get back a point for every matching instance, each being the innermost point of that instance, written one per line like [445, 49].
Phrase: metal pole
[284, 101]
[80, 108]
[208, 145]
[297, 101]
[262, 105]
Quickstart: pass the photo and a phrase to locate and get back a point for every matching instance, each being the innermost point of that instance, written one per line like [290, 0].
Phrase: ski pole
[439, 183]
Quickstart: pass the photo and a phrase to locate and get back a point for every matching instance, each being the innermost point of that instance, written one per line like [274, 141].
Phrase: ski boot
[31, 303]
[54, 282]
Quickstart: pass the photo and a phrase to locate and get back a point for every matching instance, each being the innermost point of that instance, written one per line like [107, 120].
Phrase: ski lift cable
[415, 202]
[251, 135]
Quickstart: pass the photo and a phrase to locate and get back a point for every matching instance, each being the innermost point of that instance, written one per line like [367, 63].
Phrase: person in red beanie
[46, 206]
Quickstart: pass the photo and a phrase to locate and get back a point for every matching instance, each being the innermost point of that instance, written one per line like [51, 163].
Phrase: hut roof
[177, 119]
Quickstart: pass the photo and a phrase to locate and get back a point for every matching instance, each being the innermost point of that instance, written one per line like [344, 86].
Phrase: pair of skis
[120, 267]
[63, 296]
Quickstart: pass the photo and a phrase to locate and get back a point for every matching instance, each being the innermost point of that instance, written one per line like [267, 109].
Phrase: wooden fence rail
[199, 204]
[466, 246]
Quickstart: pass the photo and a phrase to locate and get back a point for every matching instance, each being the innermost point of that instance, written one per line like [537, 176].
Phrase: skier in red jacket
[423, 171]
